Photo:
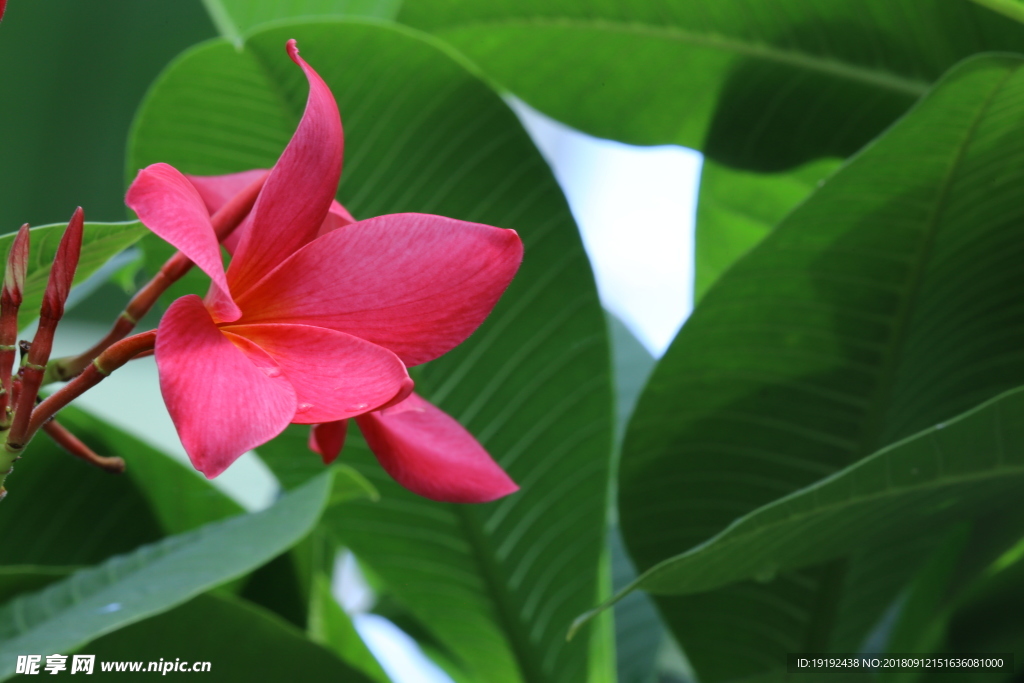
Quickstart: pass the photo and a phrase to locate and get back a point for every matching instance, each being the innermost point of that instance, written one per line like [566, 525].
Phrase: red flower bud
[64, 264]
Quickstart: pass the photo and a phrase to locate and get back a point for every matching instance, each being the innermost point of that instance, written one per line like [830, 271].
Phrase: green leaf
[24, 578]
[100, 242]
[1011, 8]
[74, 75]
[499, 584]
[181, 498]
[332, 628]
[762, 84]
[241, 641]
[234, 18]
[953, 471]
[737, 209]
[154, 578]
[632, 364]
[887, 302]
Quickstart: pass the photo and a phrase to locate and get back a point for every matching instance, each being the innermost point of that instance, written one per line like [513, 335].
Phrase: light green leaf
[889, 301]
[100, 242]
[154, 578]
[761, 84]
[234, 18]
[737, 209]
[498, 584]
[241, 641]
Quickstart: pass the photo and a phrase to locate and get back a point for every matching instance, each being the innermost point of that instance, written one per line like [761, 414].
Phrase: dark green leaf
[737, 209]
[61, 511]
[24, 578]
[181, 499]
[887, 302]
[154, 578]
[762, 84]
[241, 641]
[499, 584]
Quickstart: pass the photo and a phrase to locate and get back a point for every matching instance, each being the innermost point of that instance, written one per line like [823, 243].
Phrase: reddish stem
[111, 359]
[73, 445]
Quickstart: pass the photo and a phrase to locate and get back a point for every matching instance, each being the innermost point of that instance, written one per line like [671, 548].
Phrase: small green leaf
[154, 578]
[100, 242]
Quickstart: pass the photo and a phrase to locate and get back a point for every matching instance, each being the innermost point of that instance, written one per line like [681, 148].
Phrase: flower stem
[73, 445]
[229, 217]
[111, 359]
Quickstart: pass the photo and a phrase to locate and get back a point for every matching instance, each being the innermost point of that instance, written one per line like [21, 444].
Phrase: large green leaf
[500, 583]
[100, 242]
[241, 641]
[73, 75]
[764, 84]
[887, 302]
[737, 209]
[154, 578]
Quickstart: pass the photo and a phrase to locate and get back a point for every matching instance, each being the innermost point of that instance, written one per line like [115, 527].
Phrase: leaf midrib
[877, 412]
[879, 78]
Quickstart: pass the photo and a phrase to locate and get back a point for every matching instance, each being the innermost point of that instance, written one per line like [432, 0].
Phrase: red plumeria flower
[318, 315]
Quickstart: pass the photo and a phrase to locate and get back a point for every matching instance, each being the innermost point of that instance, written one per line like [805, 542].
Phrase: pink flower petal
[299, 191]
[413, 283]
[169, 205]
[221, 402]
[425, 450]
[335, 375]
[337, 217]
[217, 190]
[327, 440]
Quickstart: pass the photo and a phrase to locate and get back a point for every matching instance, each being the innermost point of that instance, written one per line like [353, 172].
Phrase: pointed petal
[169, 205]
[425, 450]
[299, 191]
[413, 283]
[335, 375]
[327, 440]
[221, 402]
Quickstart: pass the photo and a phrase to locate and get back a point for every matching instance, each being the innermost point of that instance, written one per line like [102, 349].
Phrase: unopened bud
[3, 6]
[17, 267]
[62, 275]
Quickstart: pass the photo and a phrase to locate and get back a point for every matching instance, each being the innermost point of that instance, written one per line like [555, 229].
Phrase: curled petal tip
[293, 50]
